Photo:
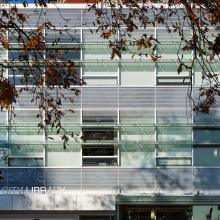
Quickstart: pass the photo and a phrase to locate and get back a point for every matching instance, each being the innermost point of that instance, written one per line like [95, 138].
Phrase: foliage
[202, 17]
[45, 67]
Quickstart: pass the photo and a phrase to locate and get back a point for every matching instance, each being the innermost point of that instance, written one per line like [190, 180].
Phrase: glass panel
[137, 134]
[20, 80]
[164, 36]
[97, 217]
[150, 212]
[19, 55]
[204, 135]
[22, 135]
[71, 118]
[55, 136]
[14, 38]
[213, 67]
[57, 156]
[3, 54]
[133, 53]
[3, 136]
[206, 212]
[98, 51]
[170, 51]
[63, 36]
[93, 37]
[99, 161]
[174, 161]
[25, 162]
[174, 134]
[26, 118]
[101, 80]
[100, 150]
[58, 75]
[26, 150]
[99, 134]
[138, 117]
[3, 157]
[207, 156]
[137, 155]
[64, 54]
[169, 68]
[174, 150]
[173, 80]
[100, 69]
[138, 74]
[172, 115]
[99, 117]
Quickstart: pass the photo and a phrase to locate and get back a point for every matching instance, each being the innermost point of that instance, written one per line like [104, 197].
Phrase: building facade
[147, 155]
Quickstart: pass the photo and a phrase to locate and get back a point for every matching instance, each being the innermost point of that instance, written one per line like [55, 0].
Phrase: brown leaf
[5, 43]
[106, 35]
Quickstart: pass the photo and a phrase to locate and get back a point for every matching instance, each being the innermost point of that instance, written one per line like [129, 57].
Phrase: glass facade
[136, 129]
[129, 108]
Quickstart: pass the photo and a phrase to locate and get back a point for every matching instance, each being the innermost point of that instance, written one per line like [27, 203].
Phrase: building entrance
[155, 213]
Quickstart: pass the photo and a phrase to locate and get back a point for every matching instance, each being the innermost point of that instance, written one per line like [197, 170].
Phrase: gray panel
[99, 178]
[207, 178]
[25, 177]
[62, 177]
[212, 118]
[99, 98]
[35, 17]
[64, 17]
[172, 106]
[136, 179]
[136, 97]
[171, 179]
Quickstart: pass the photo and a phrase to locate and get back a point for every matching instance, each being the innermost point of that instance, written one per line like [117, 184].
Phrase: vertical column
[81, 99]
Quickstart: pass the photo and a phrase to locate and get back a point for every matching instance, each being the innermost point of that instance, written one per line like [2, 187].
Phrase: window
[138, 73]
[25, 76]
[98, 134]
[206, 156]
[167, 74]
[99, 147]
[174, 155]
[174, 146]
[137, 155]
[25, 162]
[206, 135]
[97, 217]
[97, 117]
[99, 155]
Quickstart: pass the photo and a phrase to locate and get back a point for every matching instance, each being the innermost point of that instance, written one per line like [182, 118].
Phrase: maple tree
[42, 67]
[202, 17]
[116, 21]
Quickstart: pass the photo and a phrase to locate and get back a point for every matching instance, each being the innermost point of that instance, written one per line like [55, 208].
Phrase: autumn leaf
[8, 94]
[180, 68]
[5, 43]
[115, 52]
[154, 57]
[106, 35]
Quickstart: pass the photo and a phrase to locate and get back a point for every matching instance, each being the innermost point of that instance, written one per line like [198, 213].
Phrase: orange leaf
[5, 43]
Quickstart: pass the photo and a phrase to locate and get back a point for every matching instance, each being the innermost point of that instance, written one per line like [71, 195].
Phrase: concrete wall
[58, 201]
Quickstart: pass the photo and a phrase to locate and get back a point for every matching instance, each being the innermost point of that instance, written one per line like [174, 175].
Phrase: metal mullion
[81, 109]
[155, 116]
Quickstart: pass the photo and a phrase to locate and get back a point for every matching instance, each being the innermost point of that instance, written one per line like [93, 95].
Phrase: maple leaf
[5, 43]
[8, 94]
[106, 35]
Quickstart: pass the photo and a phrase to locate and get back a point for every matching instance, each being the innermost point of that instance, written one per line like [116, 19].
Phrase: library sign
[36, 190]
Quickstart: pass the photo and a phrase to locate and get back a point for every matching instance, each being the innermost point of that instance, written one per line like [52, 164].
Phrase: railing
[162, 180]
